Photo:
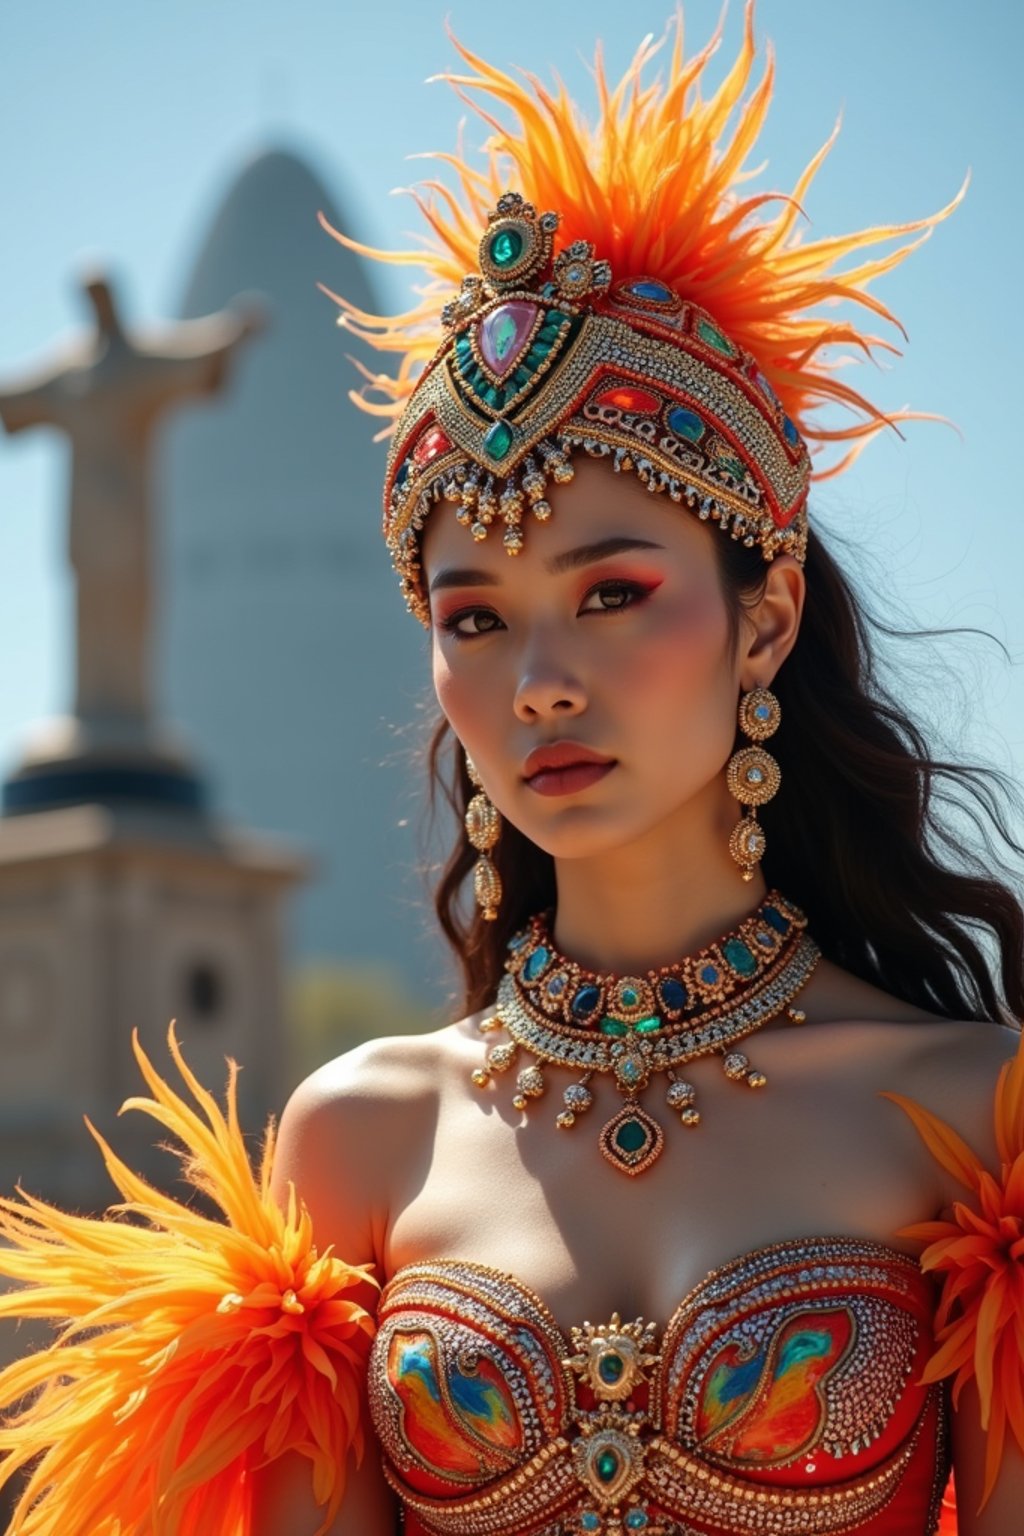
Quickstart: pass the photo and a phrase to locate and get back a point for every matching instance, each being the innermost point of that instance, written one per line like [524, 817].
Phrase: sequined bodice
[781, 1396]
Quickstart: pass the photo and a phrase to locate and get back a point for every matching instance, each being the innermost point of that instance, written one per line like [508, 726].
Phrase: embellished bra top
[782, 1396]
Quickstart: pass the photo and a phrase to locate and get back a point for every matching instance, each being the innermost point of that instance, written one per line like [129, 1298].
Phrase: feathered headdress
[618, 288]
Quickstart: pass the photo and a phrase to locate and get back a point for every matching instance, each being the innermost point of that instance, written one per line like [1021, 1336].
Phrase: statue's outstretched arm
[30, 402]
[197, 352]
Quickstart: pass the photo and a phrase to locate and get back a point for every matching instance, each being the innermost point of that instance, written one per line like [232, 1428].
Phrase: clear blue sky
[122, 122]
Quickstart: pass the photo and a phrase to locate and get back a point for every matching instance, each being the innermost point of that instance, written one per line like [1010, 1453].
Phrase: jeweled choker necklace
[635, 1026]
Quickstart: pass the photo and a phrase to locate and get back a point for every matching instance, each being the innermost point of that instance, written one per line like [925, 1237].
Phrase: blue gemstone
[739, 957]
[403, 473]
[686, 424]
[791, 433]
[610, 1367]
[765, 387]
[709, 974]
[673, 994]
[589, 1521]
[636, 1520]
[650, 288]
[557, 984]
[585, 1001]
[774, 918]
[535, 963]
[765, 940]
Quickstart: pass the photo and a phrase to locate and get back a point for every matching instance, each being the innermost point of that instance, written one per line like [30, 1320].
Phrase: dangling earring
[483, 828]
[753, 776]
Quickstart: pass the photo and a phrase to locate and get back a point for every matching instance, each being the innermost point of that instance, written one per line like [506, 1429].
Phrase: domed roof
[265, 234]
[285, 649]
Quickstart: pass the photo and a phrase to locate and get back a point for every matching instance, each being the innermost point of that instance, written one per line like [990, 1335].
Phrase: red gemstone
[640, 401]
[430, 445]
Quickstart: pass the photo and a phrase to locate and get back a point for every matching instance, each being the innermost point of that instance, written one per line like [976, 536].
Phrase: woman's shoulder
[403, 1071]
[952, 1068]
[372, 1109]
[948, 1066]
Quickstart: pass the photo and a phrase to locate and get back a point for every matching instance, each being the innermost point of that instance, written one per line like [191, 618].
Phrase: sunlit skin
[629, 654]
[611, 630]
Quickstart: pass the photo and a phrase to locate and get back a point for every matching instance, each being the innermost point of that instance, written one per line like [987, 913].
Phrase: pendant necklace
[634, 1027]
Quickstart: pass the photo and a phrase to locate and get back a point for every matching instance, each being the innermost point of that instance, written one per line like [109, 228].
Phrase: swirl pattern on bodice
[782, 1397]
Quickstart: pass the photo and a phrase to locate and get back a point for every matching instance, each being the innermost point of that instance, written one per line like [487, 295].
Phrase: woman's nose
[547, 686]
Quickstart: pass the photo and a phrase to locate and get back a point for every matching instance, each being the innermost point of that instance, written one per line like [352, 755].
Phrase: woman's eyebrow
[586, 554]
[453, 577]
[568, 560]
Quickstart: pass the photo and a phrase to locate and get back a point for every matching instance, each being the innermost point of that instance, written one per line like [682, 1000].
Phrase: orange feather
[655, 186]
[189, 1350]
[979, 1255]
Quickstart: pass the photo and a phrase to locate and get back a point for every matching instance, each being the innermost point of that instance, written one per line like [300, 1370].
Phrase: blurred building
[285, 648]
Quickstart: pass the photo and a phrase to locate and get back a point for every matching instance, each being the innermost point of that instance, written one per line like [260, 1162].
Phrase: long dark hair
[867, 834]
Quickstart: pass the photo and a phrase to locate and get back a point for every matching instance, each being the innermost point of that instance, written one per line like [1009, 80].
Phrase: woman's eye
[470, 622]
[610, 596]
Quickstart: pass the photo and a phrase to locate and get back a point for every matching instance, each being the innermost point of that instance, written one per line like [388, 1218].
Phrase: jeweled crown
[681, 329]
[546, 354]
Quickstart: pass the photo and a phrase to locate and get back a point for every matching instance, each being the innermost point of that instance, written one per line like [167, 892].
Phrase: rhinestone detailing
[527, 376]
[753, 776]
[611, 1430]
[634, 1027]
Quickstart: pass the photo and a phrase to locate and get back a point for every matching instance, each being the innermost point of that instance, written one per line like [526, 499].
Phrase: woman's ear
[772, 623]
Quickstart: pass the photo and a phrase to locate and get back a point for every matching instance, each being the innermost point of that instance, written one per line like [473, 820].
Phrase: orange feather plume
[979, 1254]
[656, 187]
[190, 1350]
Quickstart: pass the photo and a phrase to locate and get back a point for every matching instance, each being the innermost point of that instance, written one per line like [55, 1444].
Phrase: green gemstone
[498, 440]
[742, 959]
[631, 1136]
[611, 1367]
[630, 997]
[714, 338]
[647, 1026]
[506, 247]
[606, 1466]
[609, 1026]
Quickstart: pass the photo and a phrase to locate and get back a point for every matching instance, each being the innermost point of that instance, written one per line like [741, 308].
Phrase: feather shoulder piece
[189, 1351]
[978, 1257]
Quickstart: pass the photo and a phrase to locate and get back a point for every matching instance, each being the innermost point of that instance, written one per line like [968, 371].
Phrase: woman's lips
[569, 780]
[565, 768]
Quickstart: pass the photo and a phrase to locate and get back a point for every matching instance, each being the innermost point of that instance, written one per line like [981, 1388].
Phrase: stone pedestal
[118, 917]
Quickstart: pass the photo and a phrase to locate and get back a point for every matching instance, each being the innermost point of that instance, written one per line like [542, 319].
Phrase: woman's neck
[649, 904]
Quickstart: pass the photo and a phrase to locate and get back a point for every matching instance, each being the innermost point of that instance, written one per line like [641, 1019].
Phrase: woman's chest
[517, 1193]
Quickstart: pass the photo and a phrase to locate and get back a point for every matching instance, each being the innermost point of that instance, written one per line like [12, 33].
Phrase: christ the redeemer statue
[107, 391]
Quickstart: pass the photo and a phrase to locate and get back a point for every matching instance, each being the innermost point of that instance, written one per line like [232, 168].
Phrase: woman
[625, 1290]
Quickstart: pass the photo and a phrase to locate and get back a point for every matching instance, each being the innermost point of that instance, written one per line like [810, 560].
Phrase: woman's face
[608, 632]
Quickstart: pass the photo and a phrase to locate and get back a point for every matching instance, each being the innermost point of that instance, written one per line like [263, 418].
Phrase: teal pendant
[631, 1140]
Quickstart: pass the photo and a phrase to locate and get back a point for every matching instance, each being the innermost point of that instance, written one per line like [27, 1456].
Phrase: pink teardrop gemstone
[503, 334]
